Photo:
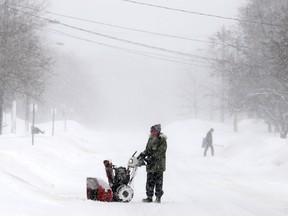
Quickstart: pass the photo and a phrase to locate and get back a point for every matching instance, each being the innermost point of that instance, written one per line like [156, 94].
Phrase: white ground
[247, 177]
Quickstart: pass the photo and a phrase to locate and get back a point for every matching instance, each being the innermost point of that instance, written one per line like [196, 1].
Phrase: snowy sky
[136, 88]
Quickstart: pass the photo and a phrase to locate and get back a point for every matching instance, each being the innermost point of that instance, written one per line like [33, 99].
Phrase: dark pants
[207, 147]
[154, 180]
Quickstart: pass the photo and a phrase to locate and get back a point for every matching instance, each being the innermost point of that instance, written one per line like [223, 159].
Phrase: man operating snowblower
[155, 156]
[120, 178]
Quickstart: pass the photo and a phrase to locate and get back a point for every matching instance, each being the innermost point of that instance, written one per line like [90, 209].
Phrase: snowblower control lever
[134, 153]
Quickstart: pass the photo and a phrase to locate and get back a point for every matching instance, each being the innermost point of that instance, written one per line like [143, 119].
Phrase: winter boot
[158, 200]
[147, 200]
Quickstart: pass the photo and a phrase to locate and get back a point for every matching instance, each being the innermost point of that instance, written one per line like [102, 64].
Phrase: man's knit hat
[156, 128]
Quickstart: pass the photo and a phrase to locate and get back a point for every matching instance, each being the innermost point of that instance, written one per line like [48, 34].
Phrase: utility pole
[33, 124]
[224, 56]
[222, 109]
[1, 110]
[237, 107]
[53, 120]
[27, 113]
[195, 100]
[65, 116]
[13, 117]
[212, 103]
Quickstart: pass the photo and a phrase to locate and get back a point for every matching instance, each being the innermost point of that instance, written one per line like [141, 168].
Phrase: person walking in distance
[209, 142]
[155, 156]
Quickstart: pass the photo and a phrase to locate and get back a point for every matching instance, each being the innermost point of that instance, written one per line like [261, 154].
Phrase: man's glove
[149, 159]
[141, 159]
[141, 156]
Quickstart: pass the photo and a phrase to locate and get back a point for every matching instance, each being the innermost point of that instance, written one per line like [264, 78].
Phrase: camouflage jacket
[155, 153]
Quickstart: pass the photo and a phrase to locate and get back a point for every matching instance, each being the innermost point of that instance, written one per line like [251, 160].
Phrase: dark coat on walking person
[209, 142]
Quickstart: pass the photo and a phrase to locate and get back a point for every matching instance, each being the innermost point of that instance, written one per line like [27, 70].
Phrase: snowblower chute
[119, 179]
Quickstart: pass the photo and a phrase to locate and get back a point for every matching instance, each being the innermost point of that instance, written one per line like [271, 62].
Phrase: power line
[203, 14]
[133, 29]
[134, 43]
[149, 46]
[118, 39]
[152, 55]
[147, 54]
[121, 27]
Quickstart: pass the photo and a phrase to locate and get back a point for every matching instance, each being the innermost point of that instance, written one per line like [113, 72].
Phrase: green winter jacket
[155, 153]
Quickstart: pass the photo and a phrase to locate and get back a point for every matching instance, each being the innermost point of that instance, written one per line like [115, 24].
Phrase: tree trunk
[1, 117]
[269, 127]
[13, 117]
[283, 134]
[284, 131]
[276, 128]
[212, 104]
[235, 121]
[222, 109]
[27, 113]
[195, 101]
[1, 110]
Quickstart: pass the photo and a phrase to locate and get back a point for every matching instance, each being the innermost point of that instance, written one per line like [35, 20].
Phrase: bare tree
[24, 63]
[256, 79]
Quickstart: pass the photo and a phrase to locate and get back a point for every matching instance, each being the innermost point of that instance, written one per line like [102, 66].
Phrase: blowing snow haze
[108, 82]
[114, 68]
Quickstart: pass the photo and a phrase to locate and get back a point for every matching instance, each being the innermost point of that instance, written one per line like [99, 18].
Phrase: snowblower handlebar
[136, 161]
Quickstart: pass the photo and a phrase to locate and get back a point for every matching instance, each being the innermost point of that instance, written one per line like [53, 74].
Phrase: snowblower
[119, 178]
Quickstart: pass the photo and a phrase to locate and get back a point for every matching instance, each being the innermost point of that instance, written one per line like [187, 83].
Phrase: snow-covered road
[247, 177]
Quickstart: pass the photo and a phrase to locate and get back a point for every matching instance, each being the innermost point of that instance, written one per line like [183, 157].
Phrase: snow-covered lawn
[248, 176]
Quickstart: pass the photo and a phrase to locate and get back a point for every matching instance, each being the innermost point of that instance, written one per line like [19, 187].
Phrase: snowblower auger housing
[119, 179]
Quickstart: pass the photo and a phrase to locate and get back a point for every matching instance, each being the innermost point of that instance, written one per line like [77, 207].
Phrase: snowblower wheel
[124, 193]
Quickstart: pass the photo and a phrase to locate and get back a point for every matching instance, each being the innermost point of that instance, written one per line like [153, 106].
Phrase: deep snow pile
[248, 175]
